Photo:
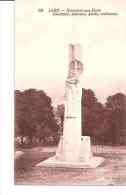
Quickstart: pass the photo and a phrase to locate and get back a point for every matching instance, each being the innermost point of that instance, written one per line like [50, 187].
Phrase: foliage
[105, 124]
[35, 117]
[34, 114]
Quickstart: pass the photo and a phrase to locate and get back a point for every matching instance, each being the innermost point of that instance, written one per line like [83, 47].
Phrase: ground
[111, 172]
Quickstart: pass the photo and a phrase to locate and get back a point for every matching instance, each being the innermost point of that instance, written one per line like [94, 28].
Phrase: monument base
[93, 162]
[86, 159]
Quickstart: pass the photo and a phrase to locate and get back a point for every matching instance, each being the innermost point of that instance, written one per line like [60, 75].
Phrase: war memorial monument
[74, 150]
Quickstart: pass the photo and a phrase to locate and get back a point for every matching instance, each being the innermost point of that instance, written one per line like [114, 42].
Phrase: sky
[42, 40]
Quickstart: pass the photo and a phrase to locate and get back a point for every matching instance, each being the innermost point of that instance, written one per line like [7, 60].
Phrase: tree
[92, 115]
[33, 109]
[116, 116]
[34, 116]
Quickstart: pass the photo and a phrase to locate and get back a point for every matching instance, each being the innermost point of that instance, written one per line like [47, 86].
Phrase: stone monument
[74, 150]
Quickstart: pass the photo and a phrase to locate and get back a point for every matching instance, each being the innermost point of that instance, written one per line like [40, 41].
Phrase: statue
[73, 88]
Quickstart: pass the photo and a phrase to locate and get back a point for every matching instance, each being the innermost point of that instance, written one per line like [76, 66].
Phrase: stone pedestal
[85, 150]
[85, 160]
[92, 163]
[83, 155]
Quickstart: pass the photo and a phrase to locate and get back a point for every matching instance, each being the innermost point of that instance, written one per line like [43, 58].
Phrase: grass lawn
[111, 172]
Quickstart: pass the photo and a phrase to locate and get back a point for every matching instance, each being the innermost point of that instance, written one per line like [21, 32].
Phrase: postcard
[70, 95]
[65, 103]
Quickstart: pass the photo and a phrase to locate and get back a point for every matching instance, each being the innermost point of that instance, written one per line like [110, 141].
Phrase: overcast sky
[42, 46]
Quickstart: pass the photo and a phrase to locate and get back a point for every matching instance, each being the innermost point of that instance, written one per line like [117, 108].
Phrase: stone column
[71, 141]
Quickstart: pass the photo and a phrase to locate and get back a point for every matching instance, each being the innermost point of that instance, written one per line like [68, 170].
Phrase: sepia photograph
[70, 93]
